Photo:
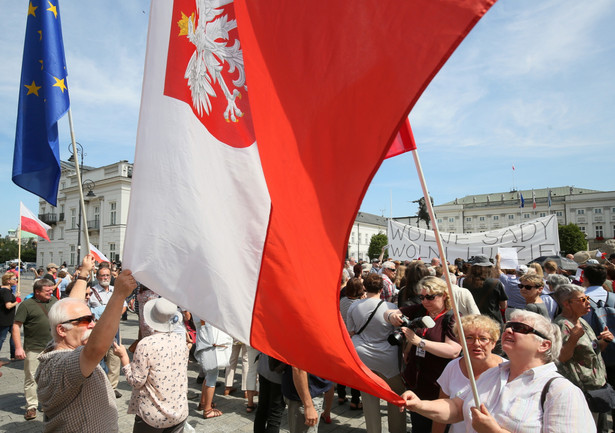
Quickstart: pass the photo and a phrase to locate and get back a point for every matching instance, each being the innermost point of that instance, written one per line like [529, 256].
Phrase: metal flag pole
[19, 274]
[78, 170]
[449, 283]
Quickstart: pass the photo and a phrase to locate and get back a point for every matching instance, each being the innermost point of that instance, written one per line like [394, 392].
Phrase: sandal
[212, 413]
[250, 408]
[200, 406]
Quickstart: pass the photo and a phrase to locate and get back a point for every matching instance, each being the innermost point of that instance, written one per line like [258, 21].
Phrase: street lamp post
[73, 148]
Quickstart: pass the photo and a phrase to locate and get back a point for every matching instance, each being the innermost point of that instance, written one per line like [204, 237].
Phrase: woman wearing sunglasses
[427, 351]
[511, 393]
[530, 287]
[580, 359]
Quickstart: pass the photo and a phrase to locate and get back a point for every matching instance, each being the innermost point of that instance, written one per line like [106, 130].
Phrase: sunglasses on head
[83, 319]
[428, 297]
[522, 328]
[526, 287]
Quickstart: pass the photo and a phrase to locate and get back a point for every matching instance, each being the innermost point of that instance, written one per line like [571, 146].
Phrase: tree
[571, 239]
[8, 250]
[375, 245]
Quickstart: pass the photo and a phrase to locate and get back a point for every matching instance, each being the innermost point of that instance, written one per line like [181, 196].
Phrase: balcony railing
[48, 218]
[94, 225]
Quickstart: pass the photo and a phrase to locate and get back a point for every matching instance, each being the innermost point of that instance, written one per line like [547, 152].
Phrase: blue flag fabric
[43, 100]
[521, 201]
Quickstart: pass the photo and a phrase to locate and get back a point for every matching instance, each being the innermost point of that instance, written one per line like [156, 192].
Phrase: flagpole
[18, 294]
[81, 200]
[449, 283]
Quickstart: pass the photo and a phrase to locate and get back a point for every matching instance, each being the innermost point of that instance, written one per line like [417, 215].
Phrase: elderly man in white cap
[158, 373]
[72, 387]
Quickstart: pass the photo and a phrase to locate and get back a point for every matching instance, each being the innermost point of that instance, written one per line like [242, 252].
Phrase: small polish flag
[31, 224]
[98, 255]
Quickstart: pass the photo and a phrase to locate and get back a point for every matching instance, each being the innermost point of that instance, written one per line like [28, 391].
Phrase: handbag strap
[43, 308]
[545, 390]
[370, 316]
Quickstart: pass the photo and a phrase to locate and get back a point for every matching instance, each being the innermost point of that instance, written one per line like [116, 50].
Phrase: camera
[397, 337]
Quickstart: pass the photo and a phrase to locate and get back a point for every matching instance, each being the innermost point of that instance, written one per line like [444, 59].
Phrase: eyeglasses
[88, 294]
[522, 328]
[526, 287]
[81, 320]
[582, 299]
[428, 297]
[470, 339]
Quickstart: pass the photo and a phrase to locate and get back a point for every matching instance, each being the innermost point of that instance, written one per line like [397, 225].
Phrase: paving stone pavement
[235, 418]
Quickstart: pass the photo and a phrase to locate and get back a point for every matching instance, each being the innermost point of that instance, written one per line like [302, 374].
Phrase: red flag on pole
[98, 255]
[329, 88]
[404, 141]
[31, 224]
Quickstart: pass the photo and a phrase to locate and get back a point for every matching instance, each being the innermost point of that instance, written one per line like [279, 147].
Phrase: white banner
[532, 239]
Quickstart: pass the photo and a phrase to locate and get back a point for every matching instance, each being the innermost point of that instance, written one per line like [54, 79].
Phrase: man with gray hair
[74, 391]
[32, 314]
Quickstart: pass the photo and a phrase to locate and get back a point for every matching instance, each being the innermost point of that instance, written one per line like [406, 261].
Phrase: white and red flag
[252, 238]
[98, 255]
[533, 200]
[31, 224]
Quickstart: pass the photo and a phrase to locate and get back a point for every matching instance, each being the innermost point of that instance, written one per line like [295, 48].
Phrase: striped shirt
[515, 405]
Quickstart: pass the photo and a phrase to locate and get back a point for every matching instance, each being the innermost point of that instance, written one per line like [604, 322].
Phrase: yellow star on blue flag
[43, 100]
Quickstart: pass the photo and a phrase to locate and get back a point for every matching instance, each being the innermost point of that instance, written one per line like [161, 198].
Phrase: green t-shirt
[36, 333]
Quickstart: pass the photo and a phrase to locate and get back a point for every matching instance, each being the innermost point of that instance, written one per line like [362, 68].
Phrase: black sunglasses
[522, 328]
[525, 286]
[428, 297]
[83, 319]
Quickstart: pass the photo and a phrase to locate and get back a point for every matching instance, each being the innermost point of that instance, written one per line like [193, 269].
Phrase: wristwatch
[82, 278]
[422, 344]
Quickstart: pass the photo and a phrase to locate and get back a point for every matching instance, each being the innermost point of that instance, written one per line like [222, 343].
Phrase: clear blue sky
[532, 85]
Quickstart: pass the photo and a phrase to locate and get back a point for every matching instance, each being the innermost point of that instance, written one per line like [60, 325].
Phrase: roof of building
[540, 193]
[69, 165]
[368, 218]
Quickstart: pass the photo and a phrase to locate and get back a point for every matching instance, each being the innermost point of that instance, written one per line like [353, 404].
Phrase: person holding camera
[435, 346]
[369, 332]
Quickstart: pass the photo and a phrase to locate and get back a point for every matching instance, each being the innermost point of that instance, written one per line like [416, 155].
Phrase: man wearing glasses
[32, 314]
[69, 376]
[389, 290]
[101, 294]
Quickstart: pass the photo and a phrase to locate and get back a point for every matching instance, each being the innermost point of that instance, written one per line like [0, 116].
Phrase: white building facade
[107, 192]
[365, 226]
[593, 211]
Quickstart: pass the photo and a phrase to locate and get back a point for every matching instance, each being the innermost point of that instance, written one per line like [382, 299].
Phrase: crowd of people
[527, 355]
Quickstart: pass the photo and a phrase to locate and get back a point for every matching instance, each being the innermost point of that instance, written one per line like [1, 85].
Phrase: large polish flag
[252, 238]
[31, 224]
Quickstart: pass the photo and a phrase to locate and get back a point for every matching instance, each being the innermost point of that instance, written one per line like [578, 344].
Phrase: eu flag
[43, 100]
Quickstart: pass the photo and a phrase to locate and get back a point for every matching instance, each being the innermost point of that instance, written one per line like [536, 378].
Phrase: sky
[531, 86]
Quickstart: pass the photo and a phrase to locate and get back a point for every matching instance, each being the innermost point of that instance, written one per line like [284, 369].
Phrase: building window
[511, 217]
[73, 218]
[72, 255]
[112, 251]
[559, 213]
[61, 232]
[352, 237]
[62, 185]
[43, 258]
[439, 220]
[582, 229]
[481, 218]
[451, 220]
[613, 209]
[542, 214]
[598, 210]
[599, 232]
[526, 215]
[496, 217]
[113, 215]
[469, 219]
[50, 234]
[580, 211]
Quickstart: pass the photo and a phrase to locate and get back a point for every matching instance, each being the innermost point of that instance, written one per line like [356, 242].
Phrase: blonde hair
[479, 323]
[7, 277]
[435, 286]
[537, 268]
[533, 279]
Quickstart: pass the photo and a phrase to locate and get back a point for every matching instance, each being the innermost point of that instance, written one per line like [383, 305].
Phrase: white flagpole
[18, 293]
[84, 216]
[449, 283]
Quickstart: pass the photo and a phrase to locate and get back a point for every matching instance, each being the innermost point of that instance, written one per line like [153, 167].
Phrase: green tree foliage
[9, 250]
[571, 239]
[375, 246]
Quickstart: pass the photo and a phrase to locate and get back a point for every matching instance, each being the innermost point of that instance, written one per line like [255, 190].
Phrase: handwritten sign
[531, 239]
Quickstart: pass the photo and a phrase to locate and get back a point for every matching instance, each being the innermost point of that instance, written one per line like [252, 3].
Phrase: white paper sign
[508, 258]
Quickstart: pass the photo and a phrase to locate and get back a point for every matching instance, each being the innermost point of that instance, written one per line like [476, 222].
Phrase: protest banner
[531, 239]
